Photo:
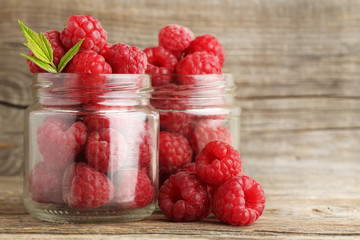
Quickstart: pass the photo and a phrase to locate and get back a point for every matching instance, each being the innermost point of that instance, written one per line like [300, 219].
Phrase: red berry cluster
[96, 56]
[101, 155]
[179, 53]
[177, 64]
[215, 182]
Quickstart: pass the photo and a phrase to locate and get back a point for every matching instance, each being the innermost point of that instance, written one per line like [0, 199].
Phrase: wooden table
[305, 200]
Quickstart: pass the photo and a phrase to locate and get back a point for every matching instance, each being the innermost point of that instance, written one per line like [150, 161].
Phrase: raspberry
[175, 38]
[207, 130]
[87, 85]
[83, 187]
[127, 59]
[88, 62]
[183, 197]
[58, 144]
[209, 44]
[174, 152]
[45, 184]
[84, 26]
[218, 162]
[239, 201]
[134, 190]
[58, 51]
[161, 63]
[105, 150]
[196, 64]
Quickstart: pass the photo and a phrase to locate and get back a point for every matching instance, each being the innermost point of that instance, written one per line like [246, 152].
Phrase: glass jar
[191, 115]
[91, 148]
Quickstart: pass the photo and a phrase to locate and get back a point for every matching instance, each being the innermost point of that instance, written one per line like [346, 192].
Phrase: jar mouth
[197, 80]
[139, 83]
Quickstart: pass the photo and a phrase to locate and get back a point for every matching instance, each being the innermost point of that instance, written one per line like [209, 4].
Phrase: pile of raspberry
[181, 69]
[214, 183]
[94, 158]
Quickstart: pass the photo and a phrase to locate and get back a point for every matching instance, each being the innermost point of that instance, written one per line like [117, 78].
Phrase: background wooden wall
[296, 64]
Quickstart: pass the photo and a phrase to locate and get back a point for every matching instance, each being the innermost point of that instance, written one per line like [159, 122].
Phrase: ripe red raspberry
[218, 162]
[127, 59]
[84, 26]
[105, 150]
[207, 130]
[175, 38]
[88, 62]
[45, 184]
[133, 189]
[161, 64]
[207, 43]
[58, 144]
[174, 152]
[87, 85]
[58, 51]
[239, 201]
[83, 187]
[189, 167]
[197, 63]
[183, 197]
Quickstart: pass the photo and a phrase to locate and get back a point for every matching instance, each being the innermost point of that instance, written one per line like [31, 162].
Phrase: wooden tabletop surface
[305, 200]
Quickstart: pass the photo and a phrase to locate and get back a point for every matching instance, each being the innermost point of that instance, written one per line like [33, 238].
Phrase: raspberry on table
[58, 51]
[174, 152]
[183, 197]
[218, 162]
[175, 38]
[207, 43]
[207, 130]
[239, 201]
[84, 26]
[161, 64]
[197, 63]
[45, 184]
[83, 187]
[127, 59]
[58, 144]
[105, 150]
[133, 188]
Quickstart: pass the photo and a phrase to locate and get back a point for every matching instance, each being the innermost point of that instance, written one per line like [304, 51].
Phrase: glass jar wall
[91, 148]
[193, 114]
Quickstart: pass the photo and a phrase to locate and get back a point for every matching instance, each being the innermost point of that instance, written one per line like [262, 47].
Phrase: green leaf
[48, 46]
[69, 55]
[40, 63]
[34, 42]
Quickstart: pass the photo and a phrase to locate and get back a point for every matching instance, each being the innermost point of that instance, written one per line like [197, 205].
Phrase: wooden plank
[301, 204]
